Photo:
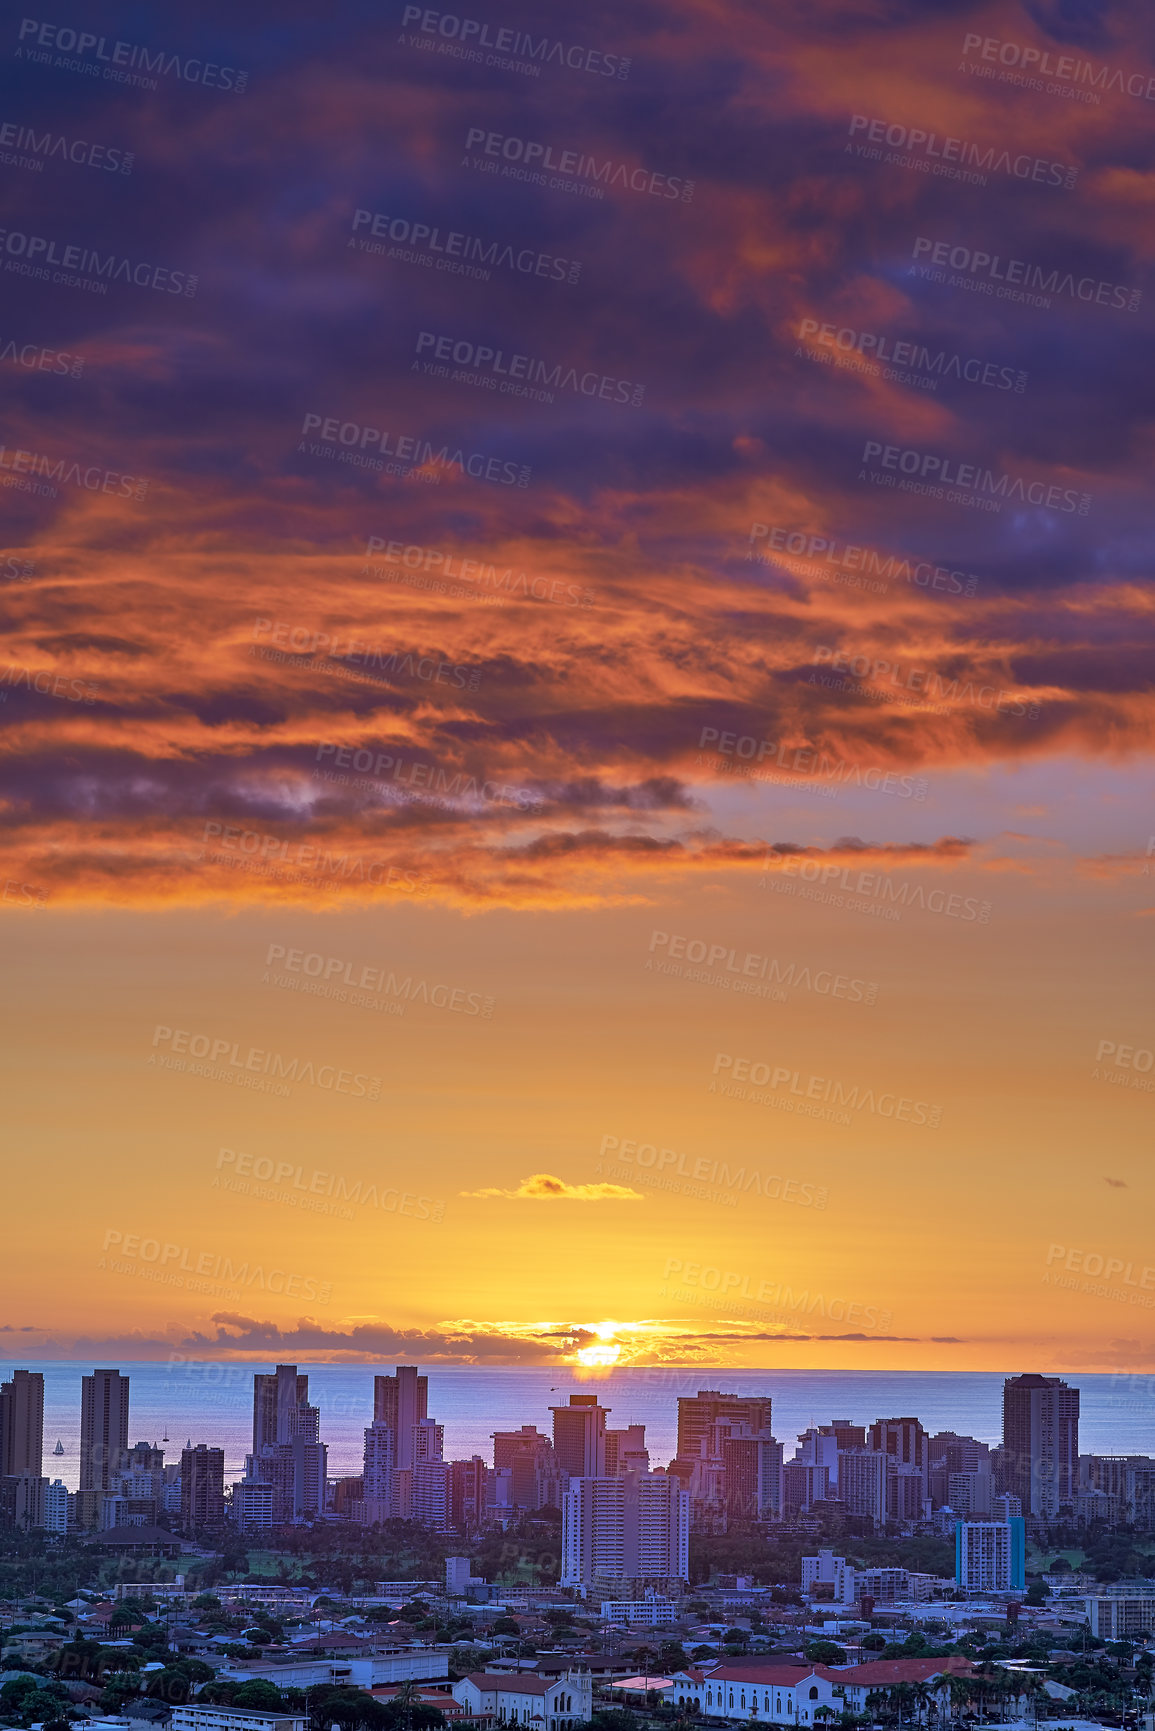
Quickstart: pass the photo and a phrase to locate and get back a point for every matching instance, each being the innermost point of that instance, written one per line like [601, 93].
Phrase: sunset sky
[578, 636]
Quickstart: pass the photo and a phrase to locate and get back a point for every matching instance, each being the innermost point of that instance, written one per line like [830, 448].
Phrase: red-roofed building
[544, 1703]
[796, 1694]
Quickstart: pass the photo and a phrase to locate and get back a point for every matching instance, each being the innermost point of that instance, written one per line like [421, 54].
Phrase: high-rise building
[430, 1494]
[134, 1494]
[252, 1499]
[377, 1473]
[697, 1412]
[1129, 1480]
[288, 1454]
[103, 1431]
[528, 1457]
[751, 1478]
[22, 1449]
[54, 1509]
[401, 1401]
[1040, 1453]
[626, 1451]
[991, 1556]
[22, 1424]
[300, 1478]
[579, 1437]
[202, 1487]
[907, 1448]
[862, 1483]
[275, 1401]
[469, 1483]
[961, 1475]
[632, 1530]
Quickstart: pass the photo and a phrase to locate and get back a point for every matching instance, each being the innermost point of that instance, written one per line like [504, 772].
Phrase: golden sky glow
[674, 849]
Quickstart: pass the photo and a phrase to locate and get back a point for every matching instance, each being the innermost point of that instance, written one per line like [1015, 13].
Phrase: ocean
[211, 1402]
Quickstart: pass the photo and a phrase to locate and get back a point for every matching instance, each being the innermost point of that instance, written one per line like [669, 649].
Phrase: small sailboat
[59, 1449]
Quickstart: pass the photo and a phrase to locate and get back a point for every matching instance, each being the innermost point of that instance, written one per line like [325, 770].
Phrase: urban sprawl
[881, 1576]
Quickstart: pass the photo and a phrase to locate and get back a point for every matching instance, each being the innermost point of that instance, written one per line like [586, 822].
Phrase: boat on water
[59, 1449]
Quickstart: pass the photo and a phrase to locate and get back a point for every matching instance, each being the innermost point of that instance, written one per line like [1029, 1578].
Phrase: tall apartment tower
[103, 1428]
[907, 1447]
[377, 1473]
[626, 1451]
[751, 1477]
[697, 1412]
[202, 1487]
[1040, 1454]
[402, 1402]
[626, 1533]
[991, 1556]
[22, 1425]
[579, 1437]
[275, 1401]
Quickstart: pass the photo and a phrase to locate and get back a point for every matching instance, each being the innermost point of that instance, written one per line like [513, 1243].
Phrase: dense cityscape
[878, 1574]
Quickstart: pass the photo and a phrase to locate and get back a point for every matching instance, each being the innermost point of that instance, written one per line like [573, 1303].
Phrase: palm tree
[959, 1694]
[404, 1701]
[876, 1702]
[921, 1696]
[903, 1696]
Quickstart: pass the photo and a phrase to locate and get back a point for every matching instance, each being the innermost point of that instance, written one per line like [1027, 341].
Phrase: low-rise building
[202, 1716]
[550, 1704]
[290, 1671]
[1117, 1613]
[654, 1611]
[797, 1694]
